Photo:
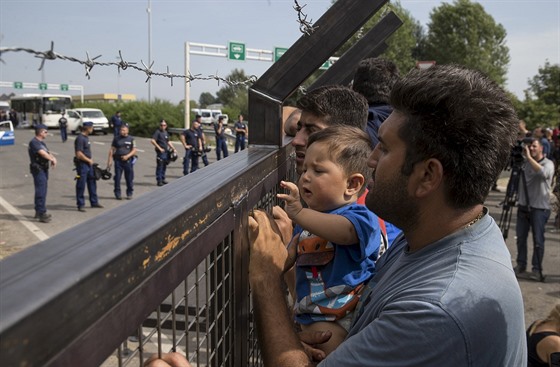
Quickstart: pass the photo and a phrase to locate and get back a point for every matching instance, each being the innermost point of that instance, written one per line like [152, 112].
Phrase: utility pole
[149, 10]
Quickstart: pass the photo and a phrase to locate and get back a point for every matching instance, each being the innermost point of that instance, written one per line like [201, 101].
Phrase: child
[337, 239]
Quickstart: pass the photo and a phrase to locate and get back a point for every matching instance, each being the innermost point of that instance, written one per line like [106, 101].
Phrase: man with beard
[445, 292]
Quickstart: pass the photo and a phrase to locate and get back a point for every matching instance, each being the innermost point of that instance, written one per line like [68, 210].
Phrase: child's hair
[348, 146]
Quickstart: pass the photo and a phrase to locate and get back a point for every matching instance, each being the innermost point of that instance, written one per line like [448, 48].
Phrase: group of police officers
[122, 154]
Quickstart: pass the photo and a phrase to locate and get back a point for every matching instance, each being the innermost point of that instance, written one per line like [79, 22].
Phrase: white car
[78, 116]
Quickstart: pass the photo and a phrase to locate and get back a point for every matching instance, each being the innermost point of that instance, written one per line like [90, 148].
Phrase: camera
[517, 150]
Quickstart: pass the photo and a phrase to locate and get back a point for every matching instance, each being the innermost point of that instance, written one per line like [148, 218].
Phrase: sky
[105, 27]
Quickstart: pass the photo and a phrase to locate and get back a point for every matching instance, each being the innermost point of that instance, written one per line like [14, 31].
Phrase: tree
[205, 99]
[235, 94]
[541, 106]
[402, 44]
[463, 33]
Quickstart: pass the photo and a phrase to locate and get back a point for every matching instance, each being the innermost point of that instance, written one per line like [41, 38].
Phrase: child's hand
[293, 204]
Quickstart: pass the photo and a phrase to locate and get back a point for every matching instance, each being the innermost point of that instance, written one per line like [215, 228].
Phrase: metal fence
[173, 275]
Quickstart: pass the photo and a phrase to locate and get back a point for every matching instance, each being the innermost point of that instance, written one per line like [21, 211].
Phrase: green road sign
[236, 51]
[278, 52]
[64, 87]
[18, 85]
[43, 86]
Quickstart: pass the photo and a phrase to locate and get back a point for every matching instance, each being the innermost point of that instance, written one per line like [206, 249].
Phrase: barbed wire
[89, 63]
[305, 27]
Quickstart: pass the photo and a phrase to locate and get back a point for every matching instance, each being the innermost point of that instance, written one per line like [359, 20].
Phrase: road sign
[236, 51]
[64, 87]
[18, 85]
[43, 86]
[278, 52]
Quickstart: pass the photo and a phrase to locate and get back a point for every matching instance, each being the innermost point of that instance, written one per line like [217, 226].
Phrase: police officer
[221, 143]
[160, 140]
[41, 160]
[190, 138]
[122, 151]
[62, 123]
[240, 131]
[85, 174]
[116, 123]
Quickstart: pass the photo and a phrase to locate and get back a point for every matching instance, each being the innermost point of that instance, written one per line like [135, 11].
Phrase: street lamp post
[149, 11]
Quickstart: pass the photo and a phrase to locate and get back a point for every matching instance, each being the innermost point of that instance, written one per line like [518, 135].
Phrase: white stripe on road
[23, 220]
[98, 143]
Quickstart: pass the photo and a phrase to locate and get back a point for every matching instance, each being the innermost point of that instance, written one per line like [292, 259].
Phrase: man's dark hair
[374, 79]
[462, 118]
[336, 105]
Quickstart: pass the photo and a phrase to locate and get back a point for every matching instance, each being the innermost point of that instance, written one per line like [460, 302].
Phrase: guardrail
[174, 274]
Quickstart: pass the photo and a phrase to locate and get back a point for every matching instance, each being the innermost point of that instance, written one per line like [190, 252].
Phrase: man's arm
[110, 157]
[155, 144]
[49, 157]
[279, 343]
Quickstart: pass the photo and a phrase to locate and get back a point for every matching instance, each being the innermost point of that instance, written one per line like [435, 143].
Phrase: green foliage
[235, 98]
[142, 117]
[205, 99]
[541, 106]
[463, 33]
[402, 44]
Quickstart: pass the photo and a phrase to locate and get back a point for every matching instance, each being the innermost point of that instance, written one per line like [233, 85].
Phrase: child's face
[323, 183]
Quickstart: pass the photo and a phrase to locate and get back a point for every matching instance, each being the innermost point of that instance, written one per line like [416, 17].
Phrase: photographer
[534, 207]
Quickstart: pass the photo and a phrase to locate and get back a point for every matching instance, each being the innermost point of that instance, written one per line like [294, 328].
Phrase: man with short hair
[160, 140]
[533, 210]
[190, 138]
[122, 151]
[221, 142]
[62, 123]
[41, 159]
[116, 123]
[85, 174]
[448, 280]
[374, 79]
[240, 132]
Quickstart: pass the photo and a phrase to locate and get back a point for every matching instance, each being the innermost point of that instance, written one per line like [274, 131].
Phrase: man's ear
[354, 184]
[427, 177]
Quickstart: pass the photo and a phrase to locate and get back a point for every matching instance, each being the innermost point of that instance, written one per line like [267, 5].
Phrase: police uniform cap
[40, 127]
[87, 123]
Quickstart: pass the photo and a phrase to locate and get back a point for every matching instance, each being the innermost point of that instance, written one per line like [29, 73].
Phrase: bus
[46, 109]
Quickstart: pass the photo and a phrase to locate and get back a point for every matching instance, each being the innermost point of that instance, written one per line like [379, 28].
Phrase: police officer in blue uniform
[62, 123]
[160, 140]
[85, 174]
[122, 151]
[190, 138]
[240, 131]
[221, 142]
[41, 160]
[116, 123]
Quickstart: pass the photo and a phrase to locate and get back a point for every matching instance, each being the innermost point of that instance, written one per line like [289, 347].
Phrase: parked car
[7, 136]
[76, 117]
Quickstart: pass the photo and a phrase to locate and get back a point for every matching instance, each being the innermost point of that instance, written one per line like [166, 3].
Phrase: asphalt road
[19, 230]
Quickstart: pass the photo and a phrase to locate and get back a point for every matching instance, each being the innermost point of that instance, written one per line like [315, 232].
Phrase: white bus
[44, 109]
